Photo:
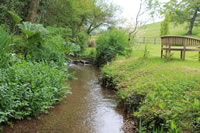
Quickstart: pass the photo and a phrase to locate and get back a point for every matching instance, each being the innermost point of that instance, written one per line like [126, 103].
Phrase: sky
[130, 8]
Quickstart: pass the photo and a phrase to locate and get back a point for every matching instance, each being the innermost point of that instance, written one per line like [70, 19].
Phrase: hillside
[153, 30]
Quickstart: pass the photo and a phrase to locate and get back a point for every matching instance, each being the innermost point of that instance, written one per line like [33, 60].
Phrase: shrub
[39, 44]
[64, 32]
[5, 27]
[81, 40]
[110, 44]
[34, 36]
[72, 49]
[53, 49]
[89, 54]
[28, 89]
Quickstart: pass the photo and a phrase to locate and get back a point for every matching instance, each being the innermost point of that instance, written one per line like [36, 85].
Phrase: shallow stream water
[89, 109]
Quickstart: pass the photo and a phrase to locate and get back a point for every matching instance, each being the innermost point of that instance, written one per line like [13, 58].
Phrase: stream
[89, 109]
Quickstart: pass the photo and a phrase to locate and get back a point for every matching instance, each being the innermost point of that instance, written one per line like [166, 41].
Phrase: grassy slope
[170, 89]
[153, 30]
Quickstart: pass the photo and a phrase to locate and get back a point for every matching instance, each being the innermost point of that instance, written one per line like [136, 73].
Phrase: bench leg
[166, 53]
[162, 53]
[169, 52]
[181, 55]
[199, 56]
[184, 55]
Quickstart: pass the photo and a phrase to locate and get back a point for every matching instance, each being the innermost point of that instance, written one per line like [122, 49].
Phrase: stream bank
[89, 109]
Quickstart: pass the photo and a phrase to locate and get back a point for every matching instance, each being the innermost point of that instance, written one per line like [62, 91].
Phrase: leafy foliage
[15, 6]
[110, 44]
[81, 40]
[39, 44]
[81, 15]
[68, 45]
[30, 88]
[32, 83]
[30, 31]
[15, 18]
[34, 36]
[72, 49]
[54, 50]
[62, 31]
[179, 11]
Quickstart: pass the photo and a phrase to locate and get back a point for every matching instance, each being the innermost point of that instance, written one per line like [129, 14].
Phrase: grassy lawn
[155, 51]
[162, 93]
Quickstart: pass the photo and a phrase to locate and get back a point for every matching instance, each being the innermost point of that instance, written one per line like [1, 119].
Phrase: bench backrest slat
[180, 41]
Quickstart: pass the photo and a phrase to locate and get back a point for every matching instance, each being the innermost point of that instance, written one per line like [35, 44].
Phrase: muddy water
[89, 109]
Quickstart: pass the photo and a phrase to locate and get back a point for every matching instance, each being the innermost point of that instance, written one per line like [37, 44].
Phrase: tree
[29, 10]
[184, 11]
[180, 11]
[33, 11]
[18, 6]
[164, 30]
[133, 27]
[70, 13]
[80, 15]
[103, 14]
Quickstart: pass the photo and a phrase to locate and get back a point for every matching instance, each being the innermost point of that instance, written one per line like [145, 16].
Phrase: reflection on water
[89, 109]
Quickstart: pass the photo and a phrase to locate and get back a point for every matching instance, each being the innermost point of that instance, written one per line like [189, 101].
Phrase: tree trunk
[192, 22]
[93, 27]
[32, 13]
[89, 29]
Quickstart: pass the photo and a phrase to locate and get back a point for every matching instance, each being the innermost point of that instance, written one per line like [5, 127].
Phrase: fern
[15, 18]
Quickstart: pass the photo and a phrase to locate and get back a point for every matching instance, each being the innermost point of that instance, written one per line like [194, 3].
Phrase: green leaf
[16, 19]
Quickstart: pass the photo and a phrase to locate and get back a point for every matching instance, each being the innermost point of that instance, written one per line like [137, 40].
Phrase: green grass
[155, 51]
[153, 30]
[158, 91]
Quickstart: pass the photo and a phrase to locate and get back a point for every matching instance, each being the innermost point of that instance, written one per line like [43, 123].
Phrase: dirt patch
[129, 125]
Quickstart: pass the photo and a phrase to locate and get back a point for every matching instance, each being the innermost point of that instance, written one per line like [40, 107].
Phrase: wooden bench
[179, 43]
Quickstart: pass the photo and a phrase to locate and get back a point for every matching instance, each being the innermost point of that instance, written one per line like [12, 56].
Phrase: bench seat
[180, 49]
